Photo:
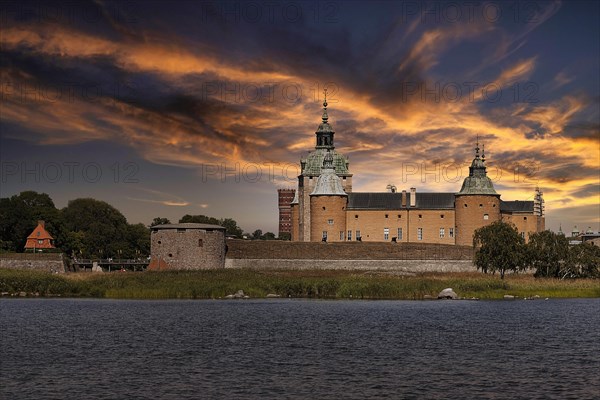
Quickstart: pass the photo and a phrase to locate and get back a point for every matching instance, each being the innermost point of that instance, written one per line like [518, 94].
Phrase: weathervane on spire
[483, 152]
[325, 117]
[477, 147]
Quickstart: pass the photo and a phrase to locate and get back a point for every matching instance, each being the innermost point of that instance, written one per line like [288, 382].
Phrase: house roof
[516, 206]
[393, 201]
[188, 225]
[40, 233]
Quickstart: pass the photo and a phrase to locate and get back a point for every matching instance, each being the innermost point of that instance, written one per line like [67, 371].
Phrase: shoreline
[285, 284]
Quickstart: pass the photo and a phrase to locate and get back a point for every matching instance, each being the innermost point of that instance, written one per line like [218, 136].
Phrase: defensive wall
[400, 257]
[50, 262]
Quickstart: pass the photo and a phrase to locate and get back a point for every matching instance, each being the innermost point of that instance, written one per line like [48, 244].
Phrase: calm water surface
[301, 349]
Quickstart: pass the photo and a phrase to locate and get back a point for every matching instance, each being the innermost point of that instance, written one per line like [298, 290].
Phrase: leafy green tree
[586, 260]
[548, 254]
[268, 236]
[229, 224]
[159, 221]
[285, 236]
[498, 248]
[102, 227]
[19, 215]
[138, 238]
[257, 234]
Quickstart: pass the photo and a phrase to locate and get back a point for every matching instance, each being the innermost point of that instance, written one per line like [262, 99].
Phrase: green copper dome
[311, 165]
[478, 182]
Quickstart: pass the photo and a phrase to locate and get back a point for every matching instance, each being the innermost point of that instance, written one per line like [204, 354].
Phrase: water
[301, 349]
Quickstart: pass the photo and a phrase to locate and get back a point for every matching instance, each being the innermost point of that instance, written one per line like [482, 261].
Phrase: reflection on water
[299, 349]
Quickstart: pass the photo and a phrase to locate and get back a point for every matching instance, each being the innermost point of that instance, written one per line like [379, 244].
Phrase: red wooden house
[39, 238]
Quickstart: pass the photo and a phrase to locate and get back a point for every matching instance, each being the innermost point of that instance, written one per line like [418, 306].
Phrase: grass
[327, 284]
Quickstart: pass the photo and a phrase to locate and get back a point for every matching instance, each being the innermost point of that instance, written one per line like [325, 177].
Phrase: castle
[324, 207]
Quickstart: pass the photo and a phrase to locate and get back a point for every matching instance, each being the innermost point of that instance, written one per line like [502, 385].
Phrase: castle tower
[294, 205]
[477, 204]
[539, 210]
[328, 205]
[311, 169]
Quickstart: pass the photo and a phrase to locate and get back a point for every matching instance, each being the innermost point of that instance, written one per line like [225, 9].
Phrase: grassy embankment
[308, 284]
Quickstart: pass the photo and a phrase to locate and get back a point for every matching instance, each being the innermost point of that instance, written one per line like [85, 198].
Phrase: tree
[229, 224]
[19, 215]
[257, 234]
[102, 227]
[268, 236]
[285, 236]
[159, 221]
[499, 247]
[548, 253]
[585, 258]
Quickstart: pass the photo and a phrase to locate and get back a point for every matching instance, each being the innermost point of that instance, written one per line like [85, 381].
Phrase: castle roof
[478, 183]
[40, 232]
[516, 206]
[188, 225]
[328, 184]
[393, 201]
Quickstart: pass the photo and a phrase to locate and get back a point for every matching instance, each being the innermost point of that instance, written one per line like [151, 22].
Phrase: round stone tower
[328, 202]
[477, 204]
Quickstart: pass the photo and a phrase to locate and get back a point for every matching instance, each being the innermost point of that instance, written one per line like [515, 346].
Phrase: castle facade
[326, 209]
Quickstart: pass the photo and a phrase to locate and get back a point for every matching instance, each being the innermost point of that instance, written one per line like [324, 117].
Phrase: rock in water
[448, 293]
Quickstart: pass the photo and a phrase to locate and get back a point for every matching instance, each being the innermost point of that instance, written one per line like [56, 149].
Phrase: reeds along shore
[324, 284]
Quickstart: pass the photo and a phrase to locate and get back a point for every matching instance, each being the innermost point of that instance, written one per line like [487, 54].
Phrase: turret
[328, 205]
[477, 204]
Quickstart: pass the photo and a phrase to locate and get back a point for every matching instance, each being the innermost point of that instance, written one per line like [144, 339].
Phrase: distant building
[187, 246]
[326, 209]
[39, 239]
[285, 197]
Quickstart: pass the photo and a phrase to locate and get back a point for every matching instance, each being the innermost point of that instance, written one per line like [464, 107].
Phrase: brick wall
[471, 214]
[275, 249]
[525, 223]
[323, 210]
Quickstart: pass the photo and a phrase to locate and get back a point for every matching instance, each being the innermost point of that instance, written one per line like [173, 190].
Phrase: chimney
[403, 198]
[42, 223]
[413, 197]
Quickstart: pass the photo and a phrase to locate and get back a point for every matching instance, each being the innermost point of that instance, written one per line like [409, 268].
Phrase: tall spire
[483, 153]
[325, 131]
[325, 117]
[477, 147]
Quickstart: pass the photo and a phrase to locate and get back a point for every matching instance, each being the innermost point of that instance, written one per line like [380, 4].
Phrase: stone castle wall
[286, 250]
[189, 249]
[50, 262]
[323, 210]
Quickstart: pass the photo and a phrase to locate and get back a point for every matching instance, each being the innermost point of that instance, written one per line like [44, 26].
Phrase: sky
[170, 108]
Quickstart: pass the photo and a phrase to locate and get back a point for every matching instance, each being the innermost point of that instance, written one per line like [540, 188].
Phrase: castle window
[399, 233]
[486, 216]
[200, 244]
[40, 241]
[386, 215]
[323, 208]
[523, 235]
[481, 205]
[159, 242]
[419, 233]
[356, 216]
[324, 237]
[442, 216]
[399, 216]
[349, 235]
[420, 216]
[170, 254]
[451, 232]
[357, 235]
[330, 221]
[493, 205]
[466, 205]
[524, 218]
[386, 233]
[342, 235]
[442, 233]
